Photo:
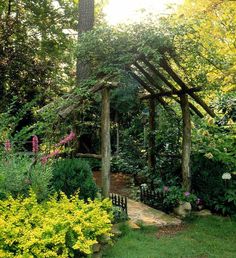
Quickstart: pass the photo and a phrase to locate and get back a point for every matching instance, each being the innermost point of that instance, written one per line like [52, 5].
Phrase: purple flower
[186, 194]
[165, 188]
[198, 202]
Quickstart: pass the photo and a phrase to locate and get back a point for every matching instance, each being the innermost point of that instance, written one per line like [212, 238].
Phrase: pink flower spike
[35, 144]
[54, 153]
[66, 139]
[7, 145]
[44, 160]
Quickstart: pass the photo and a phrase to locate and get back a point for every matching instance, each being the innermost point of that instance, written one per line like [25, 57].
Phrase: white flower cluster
[226, 176]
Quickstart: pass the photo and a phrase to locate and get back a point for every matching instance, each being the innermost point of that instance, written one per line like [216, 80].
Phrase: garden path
[140, 213]
[137, 211]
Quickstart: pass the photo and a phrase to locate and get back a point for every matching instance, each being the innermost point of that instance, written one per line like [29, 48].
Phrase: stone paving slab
[141, 213]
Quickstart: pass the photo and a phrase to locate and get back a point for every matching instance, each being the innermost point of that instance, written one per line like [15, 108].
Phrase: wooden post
[186, 142]
[151, 137]
[117, 134]
[105, 142]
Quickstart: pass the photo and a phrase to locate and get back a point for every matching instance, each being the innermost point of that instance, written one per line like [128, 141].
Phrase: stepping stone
[140, 213]
[133, 225]
[203, 213]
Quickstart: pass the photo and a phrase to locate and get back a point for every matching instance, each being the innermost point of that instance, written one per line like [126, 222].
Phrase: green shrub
[174, 195]
[60, 227]
[208, 184]
[118, 215]
[17, 175]
[69, 175]
[95, 164]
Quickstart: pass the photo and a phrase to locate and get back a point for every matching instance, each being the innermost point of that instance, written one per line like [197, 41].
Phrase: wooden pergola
[160, 81]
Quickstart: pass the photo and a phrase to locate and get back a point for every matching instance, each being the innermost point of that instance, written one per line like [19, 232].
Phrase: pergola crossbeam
[179, 81]
[162, 77]
[171, 93]
[150, 90]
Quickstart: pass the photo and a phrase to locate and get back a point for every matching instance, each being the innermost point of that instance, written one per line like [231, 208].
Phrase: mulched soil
[170, 231]
[120, 183]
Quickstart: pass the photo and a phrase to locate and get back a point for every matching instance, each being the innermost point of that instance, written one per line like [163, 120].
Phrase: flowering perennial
[66, 139]
[44, 159]
[186, 193]
[226, 176]
[7, 145]
[35, 144]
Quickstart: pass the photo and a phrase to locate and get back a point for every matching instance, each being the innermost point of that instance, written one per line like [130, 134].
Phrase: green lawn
[204, 237]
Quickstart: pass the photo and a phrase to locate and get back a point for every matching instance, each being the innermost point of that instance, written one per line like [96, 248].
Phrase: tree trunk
[85, 23]
[151, 136]
[186, 143]
[117, 134]
[105, 142]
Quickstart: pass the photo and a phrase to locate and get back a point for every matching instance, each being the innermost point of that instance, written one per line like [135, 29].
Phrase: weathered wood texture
[117, 133]
[149, 89]
[171, 93]
[86, 15]
[151, 136]
[163, 78]
[105, 142]
[178, 80]
[186, 143]
[85, 23]
[88, 155]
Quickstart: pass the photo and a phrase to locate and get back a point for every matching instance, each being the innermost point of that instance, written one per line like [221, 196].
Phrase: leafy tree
[35, 54]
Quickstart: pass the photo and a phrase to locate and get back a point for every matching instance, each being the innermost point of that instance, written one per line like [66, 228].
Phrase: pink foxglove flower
[44, 159]
[7, 145]
[35, 144]
[67, 139]
[54, 153]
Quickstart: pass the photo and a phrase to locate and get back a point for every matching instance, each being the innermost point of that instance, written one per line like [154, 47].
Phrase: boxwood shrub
[71, 175]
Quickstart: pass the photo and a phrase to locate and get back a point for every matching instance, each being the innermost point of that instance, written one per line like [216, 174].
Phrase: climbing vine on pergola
[148, 56]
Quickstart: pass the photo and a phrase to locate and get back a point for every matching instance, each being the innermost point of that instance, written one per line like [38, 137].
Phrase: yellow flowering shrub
[60, 227]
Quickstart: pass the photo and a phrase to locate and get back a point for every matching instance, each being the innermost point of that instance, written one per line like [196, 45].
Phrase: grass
[203, 237]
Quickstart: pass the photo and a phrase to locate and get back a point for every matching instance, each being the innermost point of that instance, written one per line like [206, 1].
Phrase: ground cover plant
[202, 237]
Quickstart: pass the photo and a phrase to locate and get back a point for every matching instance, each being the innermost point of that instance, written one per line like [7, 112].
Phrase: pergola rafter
[152, 81]
[169, 85]
[146, 77]
[148, 88]
[164, 64]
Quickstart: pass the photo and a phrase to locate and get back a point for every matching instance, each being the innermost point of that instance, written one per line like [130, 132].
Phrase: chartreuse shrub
[18, 175]
[71, 175]
[59, 227]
